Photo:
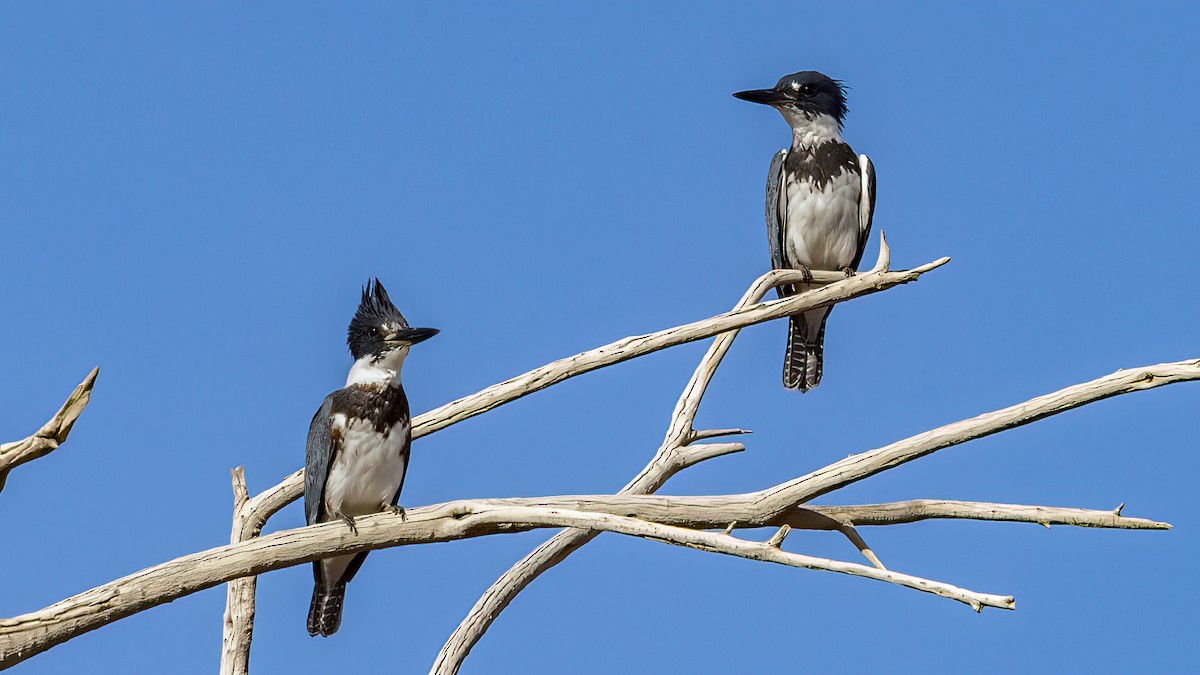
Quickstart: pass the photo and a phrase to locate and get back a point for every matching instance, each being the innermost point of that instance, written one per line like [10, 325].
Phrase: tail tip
[325, 611]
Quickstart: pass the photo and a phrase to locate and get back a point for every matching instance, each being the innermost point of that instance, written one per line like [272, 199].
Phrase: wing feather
[319, 453]
[776, 209]
[866, 205]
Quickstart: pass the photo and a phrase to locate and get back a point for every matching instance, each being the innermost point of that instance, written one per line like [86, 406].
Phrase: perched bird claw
[396, 510]
[349, 520]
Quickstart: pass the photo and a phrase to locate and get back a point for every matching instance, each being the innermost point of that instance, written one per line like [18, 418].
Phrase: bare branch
[915, 510]
[713, 512]
[256, 513]
[672, 456]
[772, 505]
[694, 454]
[839, 289]
[24, 636]
[238, 628]
[52, 434]
[857, 467]
[777, 501]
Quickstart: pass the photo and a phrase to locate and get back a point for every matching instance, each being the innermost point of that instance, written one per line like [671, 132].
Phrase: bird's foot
[349, 521]
[805, 272]
[396, 510]
[847, 270]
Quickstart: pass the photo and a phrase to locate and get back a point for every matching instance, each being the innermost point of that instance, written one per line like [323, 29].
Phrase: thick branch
[668, 460]
[701, 512]
[52, 434]
[29, 634]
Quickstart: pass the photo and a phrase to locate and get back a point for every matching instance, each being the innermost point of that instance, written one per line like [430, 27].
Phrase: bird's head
[803, 96]
[378, 329]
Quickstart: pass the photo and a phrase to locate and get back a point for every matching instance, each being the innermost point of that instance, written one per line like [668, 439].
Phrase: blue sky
[191, 195]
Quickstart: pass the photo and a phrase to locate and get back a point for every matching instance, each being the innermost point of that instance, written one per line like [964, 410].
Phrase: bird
[358, 444]
[820, 203]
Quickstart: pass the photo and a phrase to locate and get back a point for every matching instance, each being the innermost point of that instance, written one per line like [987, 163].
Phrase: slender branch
[52, 434]
[238, 628]
[665, 463]
[770, 551]
[772, 505]
[915, 510]
[857, 467]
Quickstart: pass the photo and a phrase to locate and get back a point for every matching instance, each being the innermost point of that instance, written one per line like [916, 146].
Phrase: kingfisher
[820, 202]
[358, 444]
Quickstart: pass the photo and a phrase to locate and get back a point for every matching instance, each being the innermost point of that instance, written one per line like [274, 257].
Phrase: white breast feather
[822, 226]
[367, 471]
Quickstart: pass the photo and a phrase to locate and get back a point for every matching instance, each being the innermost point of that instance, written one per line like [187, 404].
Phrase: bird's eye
[807, 90]
[374, 330]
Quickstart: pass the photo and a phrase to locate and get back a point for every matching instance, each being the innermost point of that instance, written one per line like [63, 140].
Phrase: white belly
[367, 471]
[821, 229]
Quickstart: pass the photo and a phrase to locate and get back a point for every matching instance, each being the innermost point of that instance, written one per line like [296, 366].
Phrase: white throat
[810, 130]
[383, 369]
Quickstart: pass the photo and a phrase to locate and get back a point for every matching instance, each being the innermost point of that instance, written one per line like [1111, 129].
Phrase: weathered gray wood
[676, 453]
[675, 520]
[671, 457]
[52, 434]
[29, 634]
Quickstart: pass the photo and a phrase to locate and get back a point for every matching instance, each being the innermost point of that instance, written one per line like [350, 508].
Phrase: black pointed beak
[764, 96]
[412, 336]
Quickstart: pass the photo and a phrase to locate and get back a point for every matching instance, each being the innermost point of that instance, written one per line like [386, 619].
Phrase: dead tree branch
[668, 460]
[915, 510]
[635, 511]
[682, 522]
[677, 452]
[52, 434]
[24, 636]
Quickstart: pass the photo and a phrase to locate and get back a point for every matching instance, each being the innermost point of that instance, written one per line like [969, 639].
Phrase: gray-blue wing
[318, 457]
[866, 205]
[775, 209]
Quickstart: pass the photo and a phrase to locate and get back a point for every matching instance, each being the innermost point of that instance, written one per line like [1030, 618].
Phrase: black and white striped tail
[803, 362]
[325, 612]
